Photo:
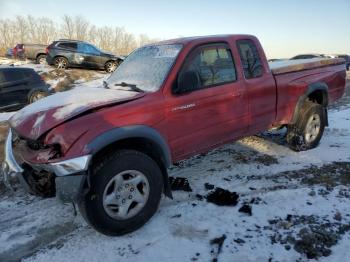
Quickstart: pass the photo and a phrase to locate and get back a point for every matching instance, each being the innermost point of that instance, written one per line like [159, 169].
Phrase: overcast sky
[285, 28]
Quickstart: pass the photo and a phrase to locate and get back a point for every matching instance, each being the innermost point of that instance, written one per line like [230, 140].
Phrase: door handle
[236, 95]
[183, 107]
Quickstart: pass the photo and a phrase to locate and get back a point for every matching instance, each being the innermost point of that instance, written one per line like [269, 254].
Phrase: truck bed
[288, 66]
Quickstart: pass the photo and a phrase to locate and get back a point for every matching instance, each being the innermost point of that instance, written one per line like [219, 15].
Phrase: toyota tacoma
[107, 149]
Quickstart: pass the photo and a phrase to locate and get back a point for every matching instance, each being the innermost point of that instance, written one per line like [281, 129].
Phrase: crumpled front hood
[38, 118]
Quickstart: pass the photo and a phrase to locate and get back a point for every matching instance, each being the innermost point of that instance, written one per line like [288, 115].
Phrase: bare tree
[44, 30]
[81, 26]
[67, 27]
[21, 28]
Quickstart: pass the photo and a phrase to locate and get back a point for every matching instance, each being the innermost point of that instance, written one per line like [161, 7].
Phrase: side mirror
[186, 82]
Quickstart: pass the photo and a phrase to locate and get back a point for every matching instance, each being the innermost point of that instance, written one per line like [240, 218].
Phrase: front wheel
[36, 95]
[61, 63]
[307, 132]
[111, 66]
[125, 192]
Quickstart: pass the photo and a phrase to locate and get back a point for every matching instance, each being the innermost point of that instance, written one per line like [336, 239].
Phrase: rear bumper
[70, 175]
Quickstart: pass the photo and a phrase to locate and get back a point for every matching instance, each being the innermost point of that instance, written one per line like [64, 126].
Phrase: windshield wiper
[133, 87]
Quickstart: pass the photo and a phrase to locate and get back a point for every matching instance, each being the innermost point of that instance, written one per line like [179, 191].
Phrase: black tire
[36, 95]
[61, 62]
[103, 172]
[297, 133]
[111, 66]
[41, 59]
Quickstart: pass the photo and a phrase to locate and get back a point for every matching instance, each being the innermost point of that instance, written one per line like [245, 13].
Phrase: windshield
[145, 68]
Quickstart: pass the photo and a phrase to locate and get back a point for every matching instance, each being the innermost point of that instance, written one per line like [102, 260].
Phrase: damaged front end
[33, 164]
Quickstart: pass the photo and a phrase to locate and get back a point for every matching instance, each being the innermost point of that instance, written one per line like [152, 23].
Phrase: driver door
[209, 109]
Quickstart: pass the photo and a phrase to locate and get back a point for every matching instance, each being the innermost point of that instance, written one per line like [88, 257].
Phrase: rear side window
[13, 75]
[212, 64]
[67, 45]
[2, 78]
[31, 74]
[250, 58]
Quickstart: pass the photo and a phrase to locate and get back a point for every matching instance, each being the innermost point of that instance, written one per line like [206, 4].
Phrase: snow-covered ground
[287, 192]
[300, 205]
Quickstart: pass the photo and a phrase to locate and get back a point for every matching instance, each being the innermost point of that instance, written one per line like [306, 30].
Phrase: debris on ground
[217, 242]
[179, 184]
[246, 209]
[239, 241]
[199, 197]
[338, 216]
[223, 197]
[208, 186]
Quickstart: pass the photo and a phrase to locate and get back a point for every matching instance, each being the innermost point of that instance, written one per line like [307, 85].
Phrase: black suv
[19, 87]
[71, 53]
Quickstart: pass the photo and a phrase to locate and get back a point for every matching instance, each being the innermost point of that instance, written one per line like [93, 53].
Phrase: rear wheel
[307, 132]
[61, 63]
[41, 59]
[125, 192]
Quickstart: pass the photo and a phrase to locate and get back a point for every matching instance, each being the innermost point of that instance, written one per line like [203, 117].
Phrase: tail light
[47, 50]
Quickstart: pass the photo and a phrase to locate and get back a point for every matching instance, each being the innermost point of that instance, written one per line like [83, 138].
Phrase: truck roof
[201, 39]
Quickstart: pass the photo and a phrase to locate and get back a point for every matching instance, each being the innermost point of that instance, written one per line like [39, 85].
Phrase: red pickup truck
[108, 148]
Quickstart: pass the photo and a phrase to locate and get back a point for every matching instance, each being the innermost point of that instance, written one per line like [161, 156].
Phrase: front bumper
[70, 174]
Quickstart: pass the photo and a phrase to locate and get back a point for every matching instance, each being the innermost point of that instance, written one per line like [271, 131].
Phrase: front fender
[134, 131]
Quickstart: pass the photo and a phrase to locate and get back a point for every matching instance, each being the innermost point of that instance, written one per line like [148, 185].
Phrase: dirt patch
[248, 156]
[63, 80]
[329, 176]
[222, 197]
[315, 237]
[247, 209]
[179, 183]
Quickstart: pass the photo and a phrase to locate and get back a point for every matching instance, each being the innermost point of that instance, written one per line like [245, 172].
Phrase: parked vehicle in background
[18, 51]
[71, 53]
[19, 87]
[308, 56]
[108, 150]
[36, 52]
[9, 53]
[346, 58]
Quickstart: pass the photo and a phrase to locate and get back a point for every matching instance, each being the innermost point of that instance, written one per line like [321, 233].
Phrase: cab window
[250, 58]
[207, 66]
